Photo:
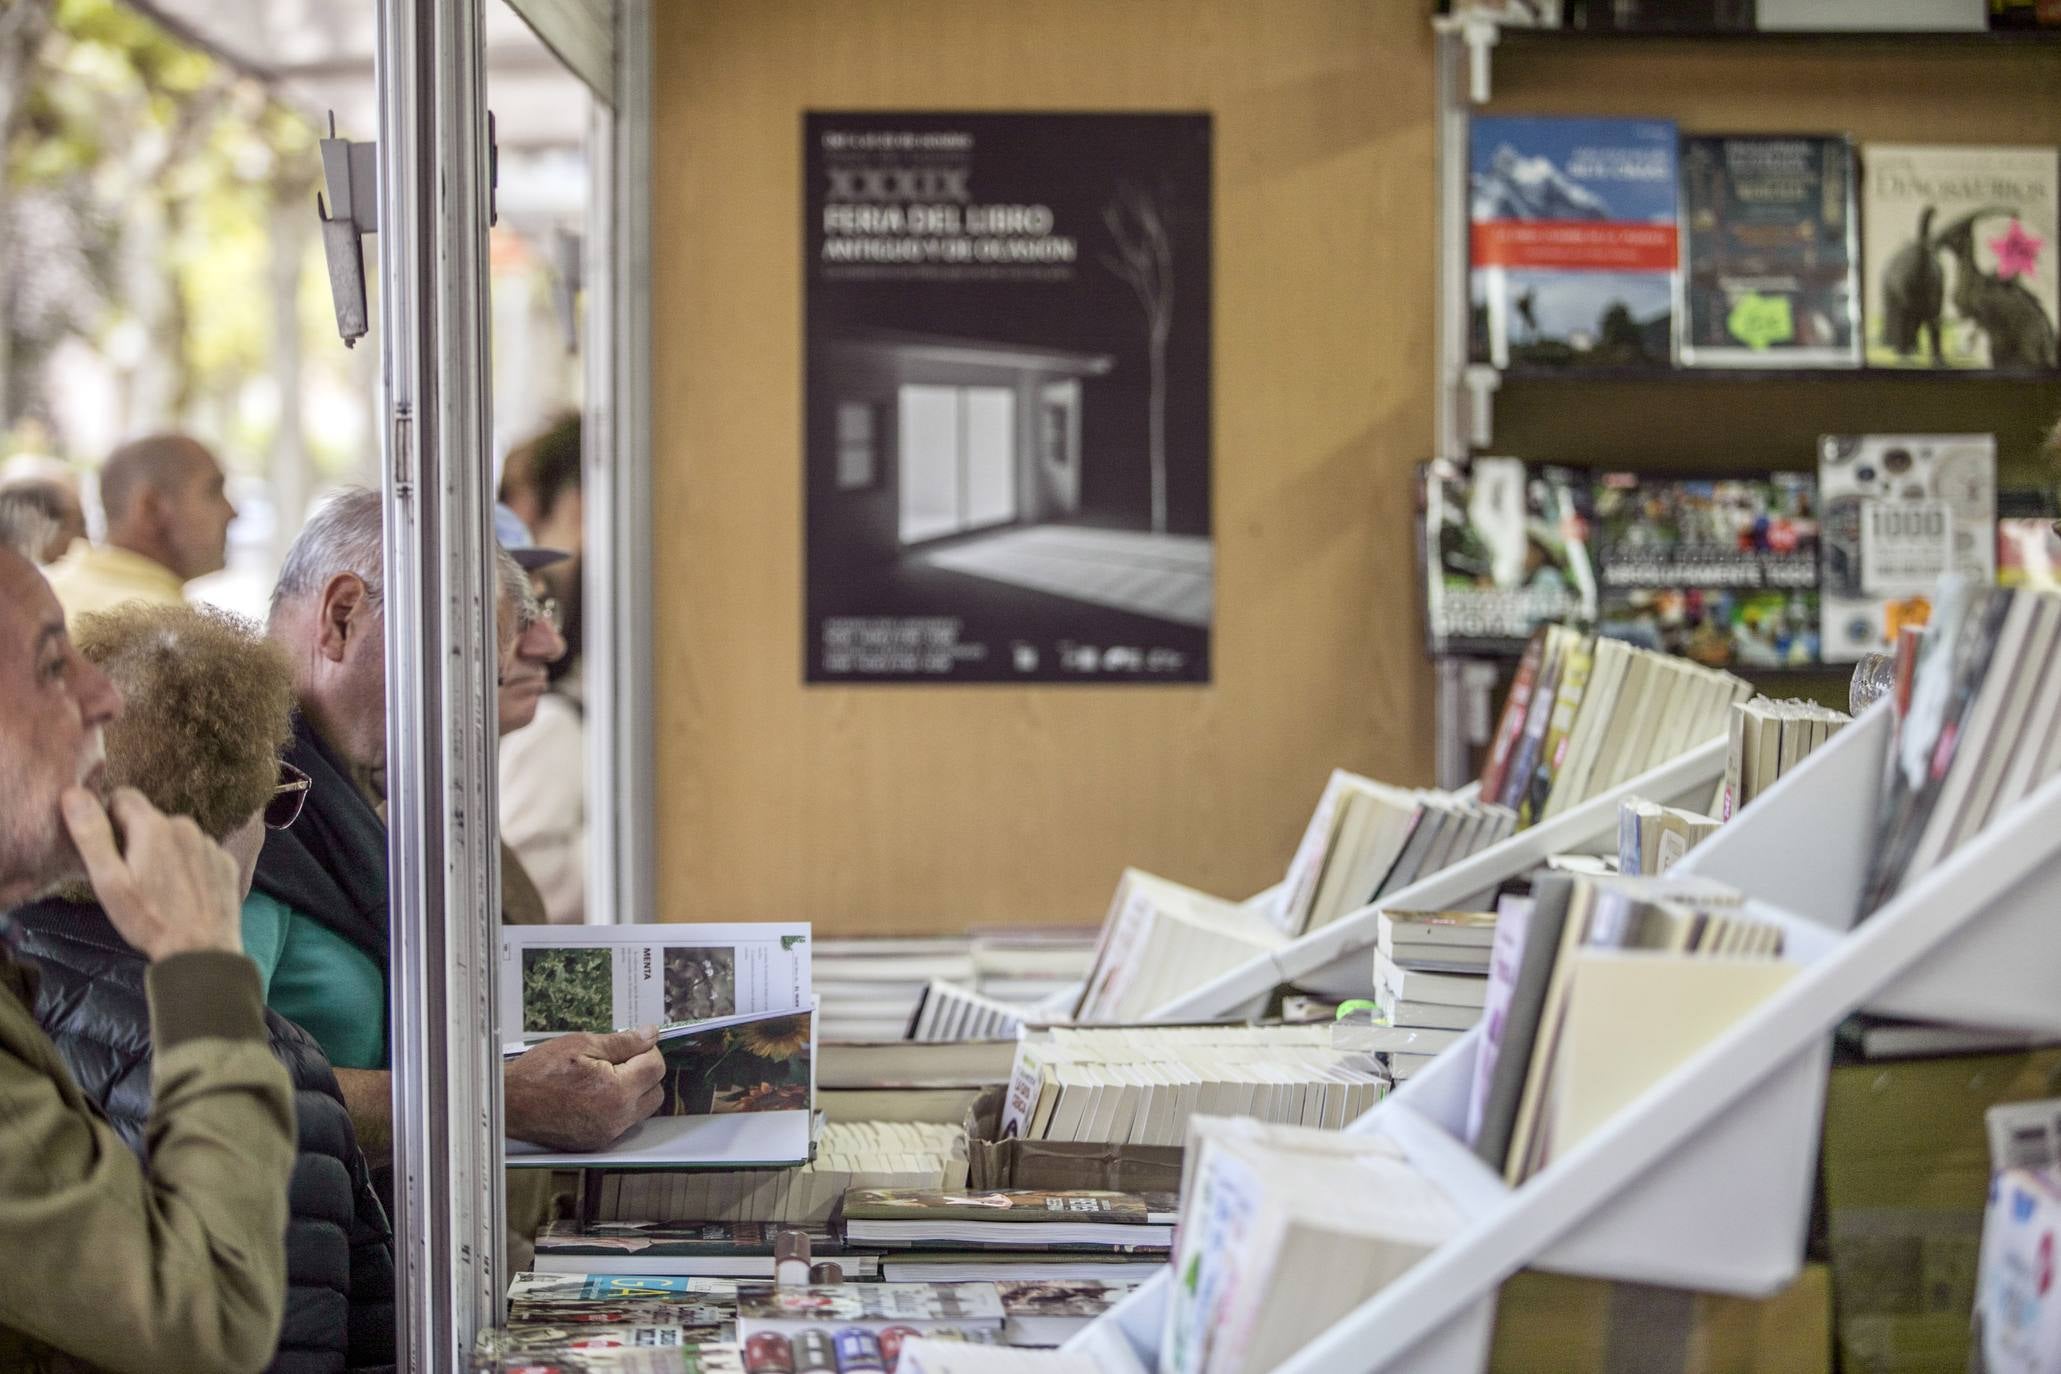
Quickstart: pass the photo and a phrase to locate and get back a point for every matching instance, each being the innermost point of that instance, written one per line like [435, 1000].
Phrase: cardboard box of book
[1906, 1176]
[1061, 1165]
[1552, 1324]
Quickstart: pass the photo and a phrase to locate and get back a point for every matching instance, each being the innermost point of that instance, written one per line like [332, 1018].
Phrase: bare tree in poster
[1145, 259]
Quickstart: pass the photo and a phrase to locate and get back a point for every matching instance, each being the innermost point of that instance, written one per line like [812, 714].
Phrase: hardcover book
[909, 1217]
[1899, 512]
[1721, 571]
[1769, 253]
[1505, 552]
[1030, 1206]
[1574, 243]
[673, 1238]
[1957, 251]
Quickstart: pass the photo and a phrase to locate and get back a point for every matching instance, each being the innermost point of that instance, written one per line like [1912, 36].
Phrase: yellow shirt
[98, 577]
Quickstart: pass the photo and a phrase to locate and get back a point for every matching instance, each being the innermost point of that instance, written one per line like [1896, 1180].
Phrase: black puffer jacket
[339, 1248]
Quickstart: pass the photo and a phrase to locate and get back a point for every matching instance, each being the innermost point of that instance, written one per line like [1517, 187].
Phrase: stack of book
[1598, 989]
[1367, 840]
[1982, 729]
[1430, 976]
[1285, 1231]
[1765, 739]
[1142, 1085]
[950, 1011]
[1088, 1237]
[872, 986]
[1651, 837]
[861, 1154]
[694, 1249]
[1584, 715]
[1160, 940]
[1031, 965]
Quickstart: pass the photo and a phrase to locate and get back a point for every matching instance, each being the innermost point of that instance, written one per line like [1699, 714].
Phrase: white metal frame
[621, 794]
[444, 872]
[441, 664]
[1704, 1181]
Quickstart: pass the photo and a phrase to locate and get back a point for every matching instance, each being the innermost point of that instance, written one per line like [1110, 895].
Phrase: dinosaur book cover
[1768, 253]
[1957, 249]
[1572, 241]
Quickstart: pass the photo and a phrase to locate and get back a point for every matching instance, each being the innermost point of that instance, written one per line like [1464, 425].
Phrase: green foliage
[169, 166]
[567, 990]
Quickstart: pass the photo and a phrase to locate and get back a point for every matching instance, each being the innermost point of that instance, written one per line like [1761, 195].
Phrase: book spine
[1515, 707]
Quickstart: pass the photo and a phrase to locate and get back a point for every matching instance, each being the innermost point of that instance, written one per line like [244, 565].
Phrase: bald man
[167, 523]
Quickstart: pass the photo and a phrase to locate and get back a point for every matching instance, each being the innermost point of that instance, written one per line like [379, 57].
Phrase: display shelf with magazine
[1482, 29]
[1967, 939]
[1574, 350]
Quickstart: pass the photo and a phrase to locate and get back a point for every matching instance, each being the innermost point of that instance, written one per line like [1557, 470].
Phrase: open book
[738, 1090]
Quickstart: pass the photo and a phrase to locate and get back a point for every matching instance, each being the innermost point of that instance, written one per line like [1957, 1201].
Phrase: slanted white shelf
[1337, 959]
[1704, 1181]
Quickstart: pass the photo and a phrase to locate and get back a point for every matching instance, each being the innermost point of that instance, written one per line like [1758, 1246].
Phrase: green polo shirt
[314, 977]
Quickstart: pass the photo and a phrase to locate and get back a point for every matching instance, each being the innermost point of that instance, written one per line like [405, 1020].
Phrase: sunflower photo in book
[759, 1066]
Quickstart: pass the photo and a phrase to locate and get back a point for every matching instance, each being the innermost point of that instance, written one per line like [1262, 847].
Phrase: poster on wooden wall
[1007, 398]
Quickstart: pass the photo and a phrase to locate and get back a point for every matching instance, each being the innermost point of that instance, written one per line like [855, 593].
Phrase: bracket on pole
[350, 173]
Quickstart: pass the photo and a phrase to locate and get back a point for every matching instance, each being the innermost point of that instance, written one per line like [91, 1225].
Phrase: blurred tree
[141, 177]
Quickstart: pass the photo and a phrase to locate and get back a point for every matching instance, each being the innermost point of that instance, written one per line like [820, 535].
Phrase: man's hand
[578, 1092]
[167, 888]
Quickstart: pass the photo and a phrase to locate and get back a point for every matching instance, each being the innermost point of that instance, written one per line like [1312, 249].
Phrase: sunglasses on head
[287, 798]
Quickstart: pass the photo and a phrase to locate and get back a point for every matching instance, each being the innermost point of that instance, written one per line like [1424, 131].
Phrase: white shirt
[544, 800]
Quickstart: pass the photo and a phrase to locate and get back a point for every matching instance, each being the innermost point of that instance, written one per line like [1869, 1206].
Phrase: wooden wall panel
[887, 809]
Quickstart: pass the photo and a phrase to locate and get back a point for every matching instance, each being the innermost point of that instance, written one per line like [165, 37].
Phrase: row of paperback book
[1779, 570]
[1621, 243]
[1584, 715]
[1142, 1085]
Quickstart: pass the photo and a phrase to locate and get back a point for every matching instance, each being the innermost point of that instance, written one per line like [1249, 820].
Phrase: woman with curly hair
[209, 703]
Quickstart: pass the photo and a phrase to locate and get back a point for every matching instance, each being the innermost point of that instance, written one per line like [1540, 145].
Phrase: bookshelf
[1704, 1181]
[1916, 87]
[1337, 959]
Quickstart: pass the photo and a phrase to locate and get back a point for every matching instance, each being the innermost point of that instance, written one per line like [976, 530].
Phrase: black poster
[1007, 442]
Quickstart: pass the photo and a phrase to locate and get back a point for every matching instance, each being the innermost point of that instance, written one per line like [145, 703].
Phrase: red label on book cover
[1575, 245]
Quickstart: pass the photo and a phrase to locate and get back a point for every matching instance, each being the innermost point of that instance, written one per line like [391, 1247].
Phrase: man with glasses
[115, 1262]
[316, 919]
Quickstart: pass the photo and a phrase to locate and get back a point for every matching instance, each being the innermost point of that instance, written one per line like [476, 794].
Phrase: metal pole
[444, 872]
[1449, 701]
[622, 878]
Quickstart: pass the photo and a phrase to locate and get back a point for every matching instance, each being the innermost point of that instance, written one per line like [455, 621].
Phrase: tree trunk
[21, 30]
[1157, 419]
[293, 225]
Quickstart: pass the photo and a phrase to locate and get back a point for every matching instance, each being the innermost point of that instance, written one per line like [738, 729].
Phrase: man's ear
[340, 616]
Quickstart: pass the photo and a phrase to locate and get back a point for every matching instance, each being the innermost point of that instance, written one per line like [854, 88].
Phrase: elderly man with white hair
[317, 919]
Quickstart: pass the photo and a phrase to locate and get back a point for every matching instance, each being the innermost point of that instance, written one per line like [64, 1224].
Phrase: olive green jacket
[180, 1265]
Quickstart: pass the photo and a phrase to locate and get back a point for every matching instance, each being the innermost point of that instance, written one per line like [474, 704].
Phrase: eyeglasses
[536, 608]
[287, 798]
